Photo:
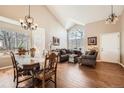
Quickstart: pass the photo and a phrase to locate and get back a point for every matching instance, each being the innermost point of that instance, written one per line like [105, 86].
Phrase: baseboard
[99, 61]
[6, 67]
[112, 62]
[121, 64]
[106, 61]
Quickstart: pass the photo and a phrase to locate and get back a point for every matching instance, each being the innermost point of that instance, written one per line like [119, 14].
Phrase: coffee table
[72, 58]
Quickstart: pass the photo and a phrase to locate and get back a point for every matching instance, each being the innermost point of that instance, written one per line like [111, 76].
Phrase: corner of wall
[122, 37]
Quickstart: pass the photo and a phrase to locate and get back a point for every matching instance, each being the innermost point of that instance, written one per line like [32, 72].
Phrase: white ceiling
[69, 15]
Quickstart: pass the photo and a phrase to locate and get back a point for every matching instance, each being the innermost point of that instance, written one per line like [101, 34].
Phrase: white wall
[122, 38]
[54, 28]
[5, 60]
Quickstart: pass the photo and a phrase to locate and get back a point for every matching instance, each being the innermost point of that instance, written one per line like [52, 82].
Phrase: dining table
[27, 60]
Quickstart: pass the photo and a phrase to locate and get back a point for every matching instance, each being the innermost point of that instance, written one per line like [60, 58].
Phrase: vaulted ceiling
[69, 15]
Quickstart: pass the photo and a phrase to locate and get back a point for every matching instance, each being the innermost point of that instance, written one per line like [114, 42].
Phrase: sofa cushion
[61, 52]
[92, 52]
[66, 55]
[68, 51]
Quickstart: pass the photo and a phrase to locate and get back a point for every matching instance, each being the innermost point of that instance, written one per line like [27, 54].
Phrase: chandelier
[28, 22]
[112, 19]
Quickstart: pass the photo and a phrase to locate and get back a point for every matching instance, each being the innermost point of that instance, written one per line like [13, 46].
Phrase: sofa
[64, 54]
[89, 58]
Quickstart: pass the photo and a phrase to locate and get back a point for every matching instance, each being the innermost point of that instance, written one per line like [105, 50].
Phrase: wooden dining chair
[32, 69]
[18, 71]
[49, 70]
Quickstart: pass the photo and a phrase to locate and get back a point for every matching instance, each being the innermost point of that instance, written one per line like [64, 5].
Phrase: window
[75, 38]
[11, 40]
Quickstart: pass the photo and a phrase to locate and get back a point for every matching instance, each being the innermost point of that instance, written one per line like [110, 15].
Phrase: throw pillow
[91, 52]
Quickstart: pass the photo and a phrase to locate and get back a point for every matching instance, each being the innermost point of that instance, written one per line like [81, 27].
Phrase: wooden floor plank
[74, 76]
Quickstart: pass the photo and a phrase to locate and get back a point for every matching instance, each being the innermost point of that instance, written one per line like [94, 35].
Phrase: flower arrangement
[21, 51]
[33, 49]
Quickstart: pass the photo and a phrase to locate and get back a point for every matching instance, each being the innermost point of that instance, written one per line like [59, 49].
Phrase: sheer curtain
[38, 41]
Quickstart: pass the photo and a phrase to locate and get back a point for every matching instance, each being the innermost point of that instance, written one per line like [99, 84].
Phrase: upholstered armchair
[89, 58]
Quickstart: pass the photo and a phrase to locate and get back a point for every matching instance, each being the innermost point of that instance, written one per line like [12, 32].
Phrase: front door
[110, 47]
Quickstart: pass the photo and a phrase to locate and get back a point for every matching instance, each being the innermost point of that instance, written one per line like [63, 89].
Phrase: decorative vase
[32, 52]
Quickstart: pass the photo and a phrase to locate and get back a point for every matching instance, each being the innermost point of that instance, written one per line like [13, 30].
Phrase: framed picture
[92, 40]
[56, 41]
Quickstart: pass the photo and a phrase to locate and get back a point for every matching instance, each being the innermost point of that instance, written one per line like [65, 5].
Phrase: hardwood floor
[74, 76]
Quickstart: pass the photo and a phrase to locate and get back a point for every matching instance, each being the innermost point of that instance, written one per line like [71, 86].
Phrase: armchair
[89, 58]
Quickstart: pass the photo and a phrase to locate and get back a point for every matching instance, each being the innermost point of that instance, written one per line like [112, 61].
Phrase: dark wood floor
[74, 76]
